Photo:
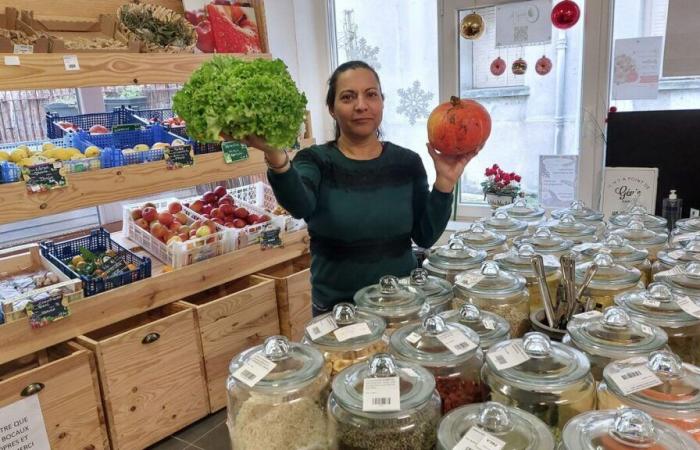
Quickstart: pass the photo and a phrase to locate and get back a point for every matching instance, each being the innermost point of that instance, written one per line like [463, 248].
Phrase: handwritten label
[12, 61]
[381, 394]
[22, 425]
[70, 62]
[178, 156]
[44, 177]
[46, 308]
[234, 152]
[270, 237]
[23, 49]
[478, 439]
[254, 369]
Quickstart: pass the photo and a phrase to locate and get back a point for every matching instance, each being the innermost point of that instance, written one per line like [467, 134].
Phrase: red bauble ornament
[543, 65]
[498, 66]
[459, 127]
[565, 14]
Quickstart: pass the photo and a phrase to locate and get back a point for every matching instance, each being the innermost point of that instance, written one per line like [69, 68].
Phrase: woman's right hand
[274, 156]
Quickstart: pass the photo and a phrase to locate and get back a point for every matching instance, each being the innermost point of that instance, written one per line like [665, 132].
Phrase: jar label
[321, 328]
[478, 439]
[489, 324]
[352, 331]
[254, 370]
[634, 379]
[381, 394]
[510, 355]
[689, 306]
[589, 315]
[413, 338]
[651, 303]
[469, 280]
[456, 341]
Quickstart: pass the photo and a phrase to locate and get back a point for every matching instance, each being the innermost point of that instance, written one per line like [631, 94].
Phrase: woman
[364, 200]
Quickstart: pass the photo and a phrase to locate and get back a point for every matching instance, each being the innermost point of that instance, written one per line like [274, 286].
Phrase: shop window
[22, 112]
[146, 96]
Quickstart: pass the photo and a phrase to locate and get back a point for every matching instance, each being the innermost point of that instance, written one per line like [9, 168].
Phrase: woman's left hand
[448, 168]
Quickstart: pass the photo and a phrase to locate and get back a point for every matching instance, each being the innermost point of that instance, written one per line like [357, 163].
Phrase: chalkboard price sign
[270, 237]
[178, 156]
[46, 308]
[44, 177]
[234, 152]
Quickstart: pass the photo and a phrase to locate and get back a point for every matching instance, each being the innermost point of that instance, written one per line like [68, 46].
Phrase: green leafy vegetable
[87, 255]
[240, 98]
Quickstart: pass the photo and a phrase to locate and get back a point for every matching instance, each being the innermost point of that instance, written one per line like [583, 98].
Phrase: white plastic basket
[261, 195]
[178, 254]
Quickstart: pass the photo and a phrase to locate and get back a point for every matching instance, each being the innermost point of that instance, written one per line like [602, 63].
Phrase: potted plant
[500, 187]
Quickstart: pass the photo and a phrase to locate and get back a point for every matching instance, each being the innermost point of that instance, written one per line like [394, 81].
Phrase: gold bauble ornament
[472, 26]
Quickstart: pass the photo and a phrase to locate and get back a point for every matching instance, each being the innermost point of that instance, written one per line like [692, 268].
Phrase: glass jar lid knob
[494, 418]
[567, 219]
[537, 345]
[603, 258]
[434, 325]
[382, 365]
[469, 313]
[490, 269]
[692, 270]
[455, 244]
[419, 277]
[520, 203]
[477, 228]
[638, 209]
[501, 216]
[659, 292]
[543, 233]
[276, 348]
[616, 317]
[666, 364]
[389, 284]
[344, 313]
[614, 240]
[577, 205]
[633, 428]
[526, 251]
[636, 224]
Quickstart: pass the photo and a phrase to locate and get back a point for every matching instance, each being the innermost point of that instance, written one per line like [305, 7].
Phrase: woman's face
[358, 103]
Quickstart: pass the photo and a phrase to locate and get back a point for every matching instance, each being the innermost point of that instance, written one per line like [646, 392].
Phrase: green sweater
[361, 215]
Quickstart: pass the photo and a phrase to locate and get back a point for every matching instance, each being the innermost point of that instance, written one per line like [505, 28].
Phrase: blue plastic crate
[69, 140]
[97, 242]
[84, 121]
[9, 172]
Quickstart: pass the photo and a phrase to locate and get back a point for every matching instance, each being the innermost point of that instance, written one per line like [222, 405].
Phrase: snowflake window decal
[414, 102]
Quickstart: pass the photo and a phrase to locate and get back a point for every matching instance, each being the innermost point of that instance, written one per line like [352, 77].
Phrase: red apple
[211, 225]
[206, 216]
[229, 225]
[136, 213]
[184, 229]
[149, 213]
[239, 223]
[142, 223]
[226, 209]
[175, 226]
[263, 219]
[158, 230]
[174, 207]
[252, 218]
[241, 213]
[98, 129]
[167, 236]
[197, 206]
[217, 220]
[220, 191]
[181, 217]
[227, 199]
[209, 197]
[165, 218]
[206, 209]
[216, 212]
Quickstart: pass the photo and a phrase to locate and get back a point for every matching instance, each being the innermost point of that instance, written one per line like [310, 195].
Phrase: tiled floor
[209, 433]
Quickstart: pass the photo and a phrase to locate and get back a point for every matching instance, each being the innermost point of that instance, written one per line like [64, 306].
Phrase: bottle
[671, 209]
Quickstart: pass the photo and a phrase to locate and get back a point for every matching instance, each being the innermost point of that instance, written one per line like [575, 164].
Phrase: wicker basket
[163, 15]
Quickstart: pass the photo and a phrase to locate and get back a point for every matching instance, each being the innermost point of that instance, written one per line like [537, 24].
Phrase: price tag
[478, 439]
[178, 156]
[46, 308]
[634, 379]
[321, 328]
[127, 127]
[254, 370]
[456, 341]
[44, 177]
[23, 49]
[234, 152]
[270, 237]
[651, 303]
[689, 306]
[647, 329]
[352, 331]
[550, 260]
[469, 280]
[589, 315]
[413, 338]
[508, 356]
[12, 60]
[70, 62]
[381, 394]
[489, 323]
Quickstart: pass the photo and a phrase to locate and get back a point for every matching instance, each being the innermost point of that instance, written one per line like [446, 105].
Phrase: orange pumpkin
[459, 127]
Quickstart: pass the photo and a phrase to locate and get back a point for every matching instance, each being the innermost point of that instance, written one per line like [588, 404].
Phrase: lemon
[77, 157]
[92, 151]
[62, 154]
[18, 155]
[73, 151]
[47, 146]
[4, 156]
[23, 147]
[159, 145]
[141, 147]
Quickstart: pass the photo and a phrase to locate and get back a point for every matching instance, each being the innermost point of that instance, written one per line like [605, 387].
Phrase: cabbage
[240, 98]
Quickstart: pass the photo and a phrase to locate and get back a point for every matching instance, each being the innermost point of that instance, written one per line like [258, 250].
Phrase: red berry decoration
[498, 66]
[565, 14]
[519, 66]
[543, 65]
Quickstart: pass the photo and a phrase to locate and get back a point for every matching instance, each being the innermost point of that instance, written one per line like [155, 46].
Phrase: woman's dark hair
[333, 83]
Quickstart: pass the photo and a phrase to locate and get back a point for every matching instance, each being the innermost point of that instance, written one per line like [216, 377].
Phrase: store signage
[44, 177]
[523, 23]
[270, 237]
[70, 62]
[178, 156]
[234, 152]
[637, 66]
[127, 127]
[624, 187]
[46, 308]
[23, 49]
[557, 186]
[22, 425]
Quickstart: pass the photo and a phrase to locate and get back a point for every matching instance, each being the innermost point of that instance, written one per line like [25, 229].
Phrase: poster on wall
[557, 187]
[223, 26]
[627, 186]
[523, 23]
[637, 65]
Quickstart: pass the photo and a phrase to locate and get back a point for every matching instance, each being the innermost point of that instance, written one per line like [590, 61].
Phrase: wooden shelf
[18, 339]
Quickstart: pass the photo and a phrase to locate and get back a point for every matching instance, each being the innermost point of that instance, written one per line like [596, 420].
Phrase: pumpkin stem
[454, 100]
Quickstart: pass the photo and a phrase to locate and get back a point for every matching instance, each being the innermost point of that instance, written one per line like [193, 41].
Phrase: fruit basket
[57, 126]
[98, 242]
[133, 146]
[179, 247]
[260, 195]
[76, 154]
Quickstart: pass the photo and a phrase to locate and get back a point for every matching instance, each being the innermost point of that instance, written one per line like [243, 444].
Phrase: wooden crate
[69, 394]
[232, 317]
[151, 375]
[293, 285]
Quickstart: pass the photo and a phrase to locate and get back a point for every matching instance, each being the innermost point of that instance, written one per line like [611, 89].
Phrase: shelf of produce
[18, 339]
[48, 71]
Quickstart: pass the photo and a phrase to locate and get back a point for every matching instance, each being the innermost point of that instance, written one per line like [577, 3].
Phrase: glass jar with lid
[520, 210]
[516, 428]
[675, 399]
[518, 261]
[687, 253]
[625, 429]
[570, 229]
[498, 291]
[612, 336]
[659, 306]
[342, 350]
[545, 243]
[438, 291]
[457, 369]
[448, 260]
[397, 304]
[490, 327]
[554, 383]
[478, 237]
[621, 251]
[412, 426]
[641, 237]
[610, 279]
[269, 413]
[639, 213]
[505, 225]
[580, 212]
[683, 279]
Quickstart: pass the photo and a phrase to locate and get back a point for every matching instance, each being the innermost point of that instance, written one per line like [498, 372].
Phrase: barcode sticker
[589, 315]
[456, 341]
[70, 62]
[352, 331]
[478, 439]
[381, 394]
[23, 49]
[489, 323]
[689, 306]
[634, 379]
[321, 327]
[254, 370]
[469, 279]
[510, 355]
[12, 60]
[651, 303]
[413, 338]
[550, 260]
[646, 329]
